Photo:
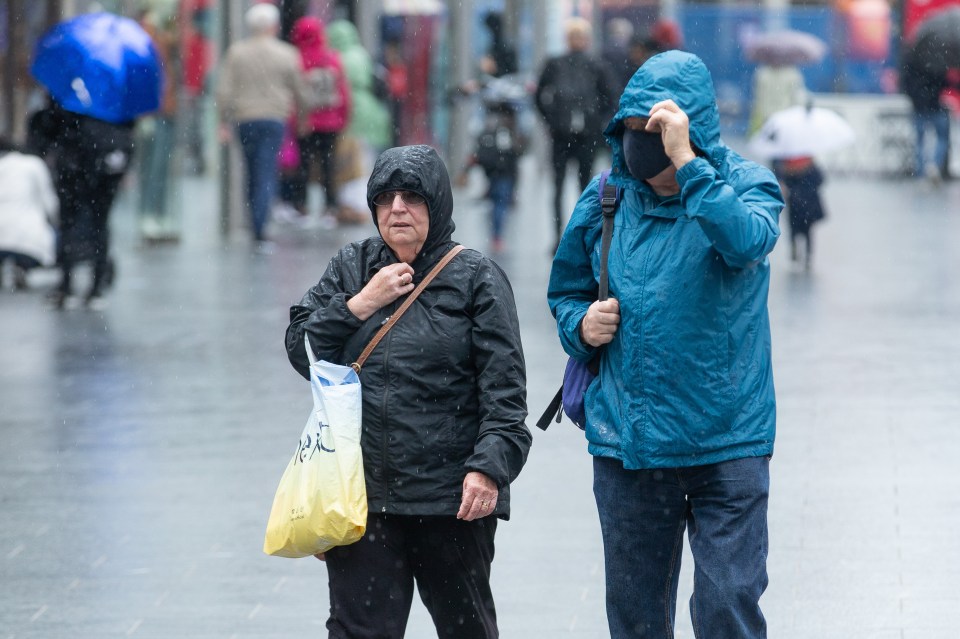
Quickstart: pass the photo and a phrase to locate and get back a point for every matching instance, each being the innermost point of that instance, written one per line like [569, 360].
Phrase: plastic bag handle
[306, 344]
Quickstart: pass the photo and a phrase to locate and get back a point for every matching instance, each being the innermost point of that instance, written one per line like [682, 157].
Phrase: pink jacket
[322, 64]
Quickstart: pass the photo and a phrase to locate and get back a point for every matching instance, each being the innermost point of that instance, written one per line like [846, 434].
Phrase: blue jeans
[155, 151]
[501, 196]
[643, 514]
[940, 122]
[260, 140]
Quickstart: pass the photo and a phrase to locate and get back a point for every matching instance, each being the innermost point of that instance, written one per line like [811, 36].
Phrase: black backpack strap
[554, 411]
[609, 199]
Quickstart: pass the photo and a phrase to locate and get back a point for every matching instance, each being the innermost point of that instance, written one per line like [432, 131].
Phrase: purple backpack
[579, 375]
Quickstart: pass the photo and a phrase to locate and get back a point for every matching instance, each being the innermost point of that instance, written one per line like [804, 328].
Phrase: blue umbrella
[100, 64]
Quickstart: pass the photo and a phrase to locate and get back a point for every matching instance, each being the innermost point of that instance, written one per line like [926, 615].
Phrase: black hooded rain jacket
[444, 393]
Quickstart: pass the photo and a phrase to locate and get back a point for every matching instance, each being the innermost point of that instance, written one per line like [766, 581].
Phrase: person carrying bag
[322, 499]
[443, 405]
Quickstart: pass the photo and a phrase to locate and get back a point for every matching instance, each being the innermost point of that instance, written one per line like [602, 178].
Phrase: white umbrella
[785, 46]
[801, 131]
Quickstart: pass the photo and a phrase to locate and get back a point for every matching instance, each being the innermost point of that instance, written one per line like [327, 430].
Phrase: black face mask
[644, 154]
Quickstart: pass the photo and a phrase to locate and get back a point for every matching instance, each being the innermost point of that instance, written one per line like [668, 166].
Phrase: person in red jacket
[328, 98]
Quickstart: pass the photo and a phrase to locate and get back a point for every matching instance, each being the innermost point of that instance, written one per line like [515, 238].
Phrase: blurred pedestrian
[370, 130]
[396, 81]
[501, 57]
[259, 87]
[923, 83]
[448, 394]
[28, 209]
[575, 96]
[681, 419]
[497, 151]
[369, 118]
[156, 137]
[616, 53]
[90, 157]
[328, 98]
[196, 25]
[775, 87]
[801, 179]
[666, 35]
[641, 49]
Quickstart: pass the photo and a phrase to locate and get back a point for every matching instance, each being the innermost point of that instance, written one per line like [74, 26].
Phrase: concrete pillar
[461, 69]
[14, 46]
[540, 144]
[233, 209]
[368, 14]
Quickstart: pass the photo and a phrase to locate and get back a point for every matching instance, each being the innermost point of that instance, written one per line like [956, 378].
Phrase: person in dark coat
[576, 97]
[800, 179]
[501, 58]
[923, 82]
[90, 157]
[444, 404]
[616, 53]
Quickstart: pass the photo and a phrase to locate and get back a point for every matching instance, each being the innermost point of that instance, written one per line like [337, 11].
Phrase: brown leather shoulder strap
[357, 365]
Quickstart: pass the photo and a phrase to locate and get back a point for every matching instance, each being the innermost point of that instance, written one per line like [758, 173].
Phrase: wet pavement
[143, 444]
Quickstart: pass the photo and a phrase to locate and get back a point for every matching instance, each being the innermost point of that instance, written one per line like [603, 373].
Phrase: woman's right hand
[386, 286]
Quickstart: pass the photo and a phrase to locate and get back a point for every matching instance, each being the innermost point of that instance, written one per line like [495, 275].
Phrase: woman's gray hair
[262, 18]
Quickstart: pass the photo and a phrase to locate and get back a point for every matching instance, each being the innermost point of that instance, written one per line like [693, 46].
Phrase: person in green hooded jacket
[369, 119]
[681, 418]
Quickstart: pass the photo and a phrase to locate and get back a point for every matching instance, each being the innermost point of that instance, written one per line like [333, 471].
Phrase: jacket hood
[308, 33]
[342, 35]
[678, 76]
[419, 169]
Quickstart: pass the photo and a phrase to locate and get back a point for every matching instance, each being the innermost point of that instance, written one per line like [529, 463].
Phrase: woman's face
[404, 221]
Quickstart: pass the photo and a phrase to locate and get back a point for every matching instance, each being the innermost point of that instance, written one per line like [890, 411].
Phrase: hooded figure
[369, 119]
[685, 382]
[327, 85]
[444, 404]
[328, 96]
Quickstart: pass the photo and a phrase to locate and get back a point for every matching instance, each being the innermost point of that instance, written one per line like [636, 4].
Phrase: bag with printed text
[321, 501]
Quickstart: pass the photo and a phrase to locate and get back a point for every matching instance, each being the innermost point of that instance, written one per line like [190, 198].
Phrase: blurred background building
[439, 43]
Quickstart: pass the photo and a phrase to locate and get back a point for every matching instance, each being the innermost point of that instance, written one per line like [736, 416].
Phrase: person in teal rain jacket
[681, 418]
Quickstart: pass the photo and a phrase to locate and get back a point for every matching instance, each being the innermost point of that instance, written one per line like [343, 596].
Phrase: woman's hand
[388, 284]
[479, 496]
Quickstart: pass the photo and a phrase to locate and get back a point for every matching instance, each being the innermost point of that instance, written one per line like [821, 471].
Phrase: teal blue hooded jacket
[687, 379]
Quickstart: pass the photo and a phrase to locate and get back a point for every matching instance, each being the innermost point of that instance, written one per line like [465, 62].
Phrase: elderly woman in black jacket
[444, 404]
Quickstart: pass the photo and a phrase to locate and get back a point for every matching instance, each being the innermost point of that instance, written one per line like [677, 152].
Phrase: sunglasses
[386, 198]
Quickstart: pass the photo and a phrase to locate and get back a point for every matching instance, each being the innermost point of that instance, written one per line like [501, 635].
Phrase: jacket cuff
[690, 170]
[576, 347]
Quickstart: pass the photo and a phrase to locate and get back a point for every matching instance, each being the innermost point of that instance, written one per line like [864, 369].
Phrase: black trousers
[581, 148]
[372, 581]
[320, 148]
[86, 198]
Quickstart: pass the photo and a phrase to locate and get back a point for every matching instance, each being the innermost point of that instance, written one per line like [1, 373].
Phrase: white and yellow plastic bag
[321, 501]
